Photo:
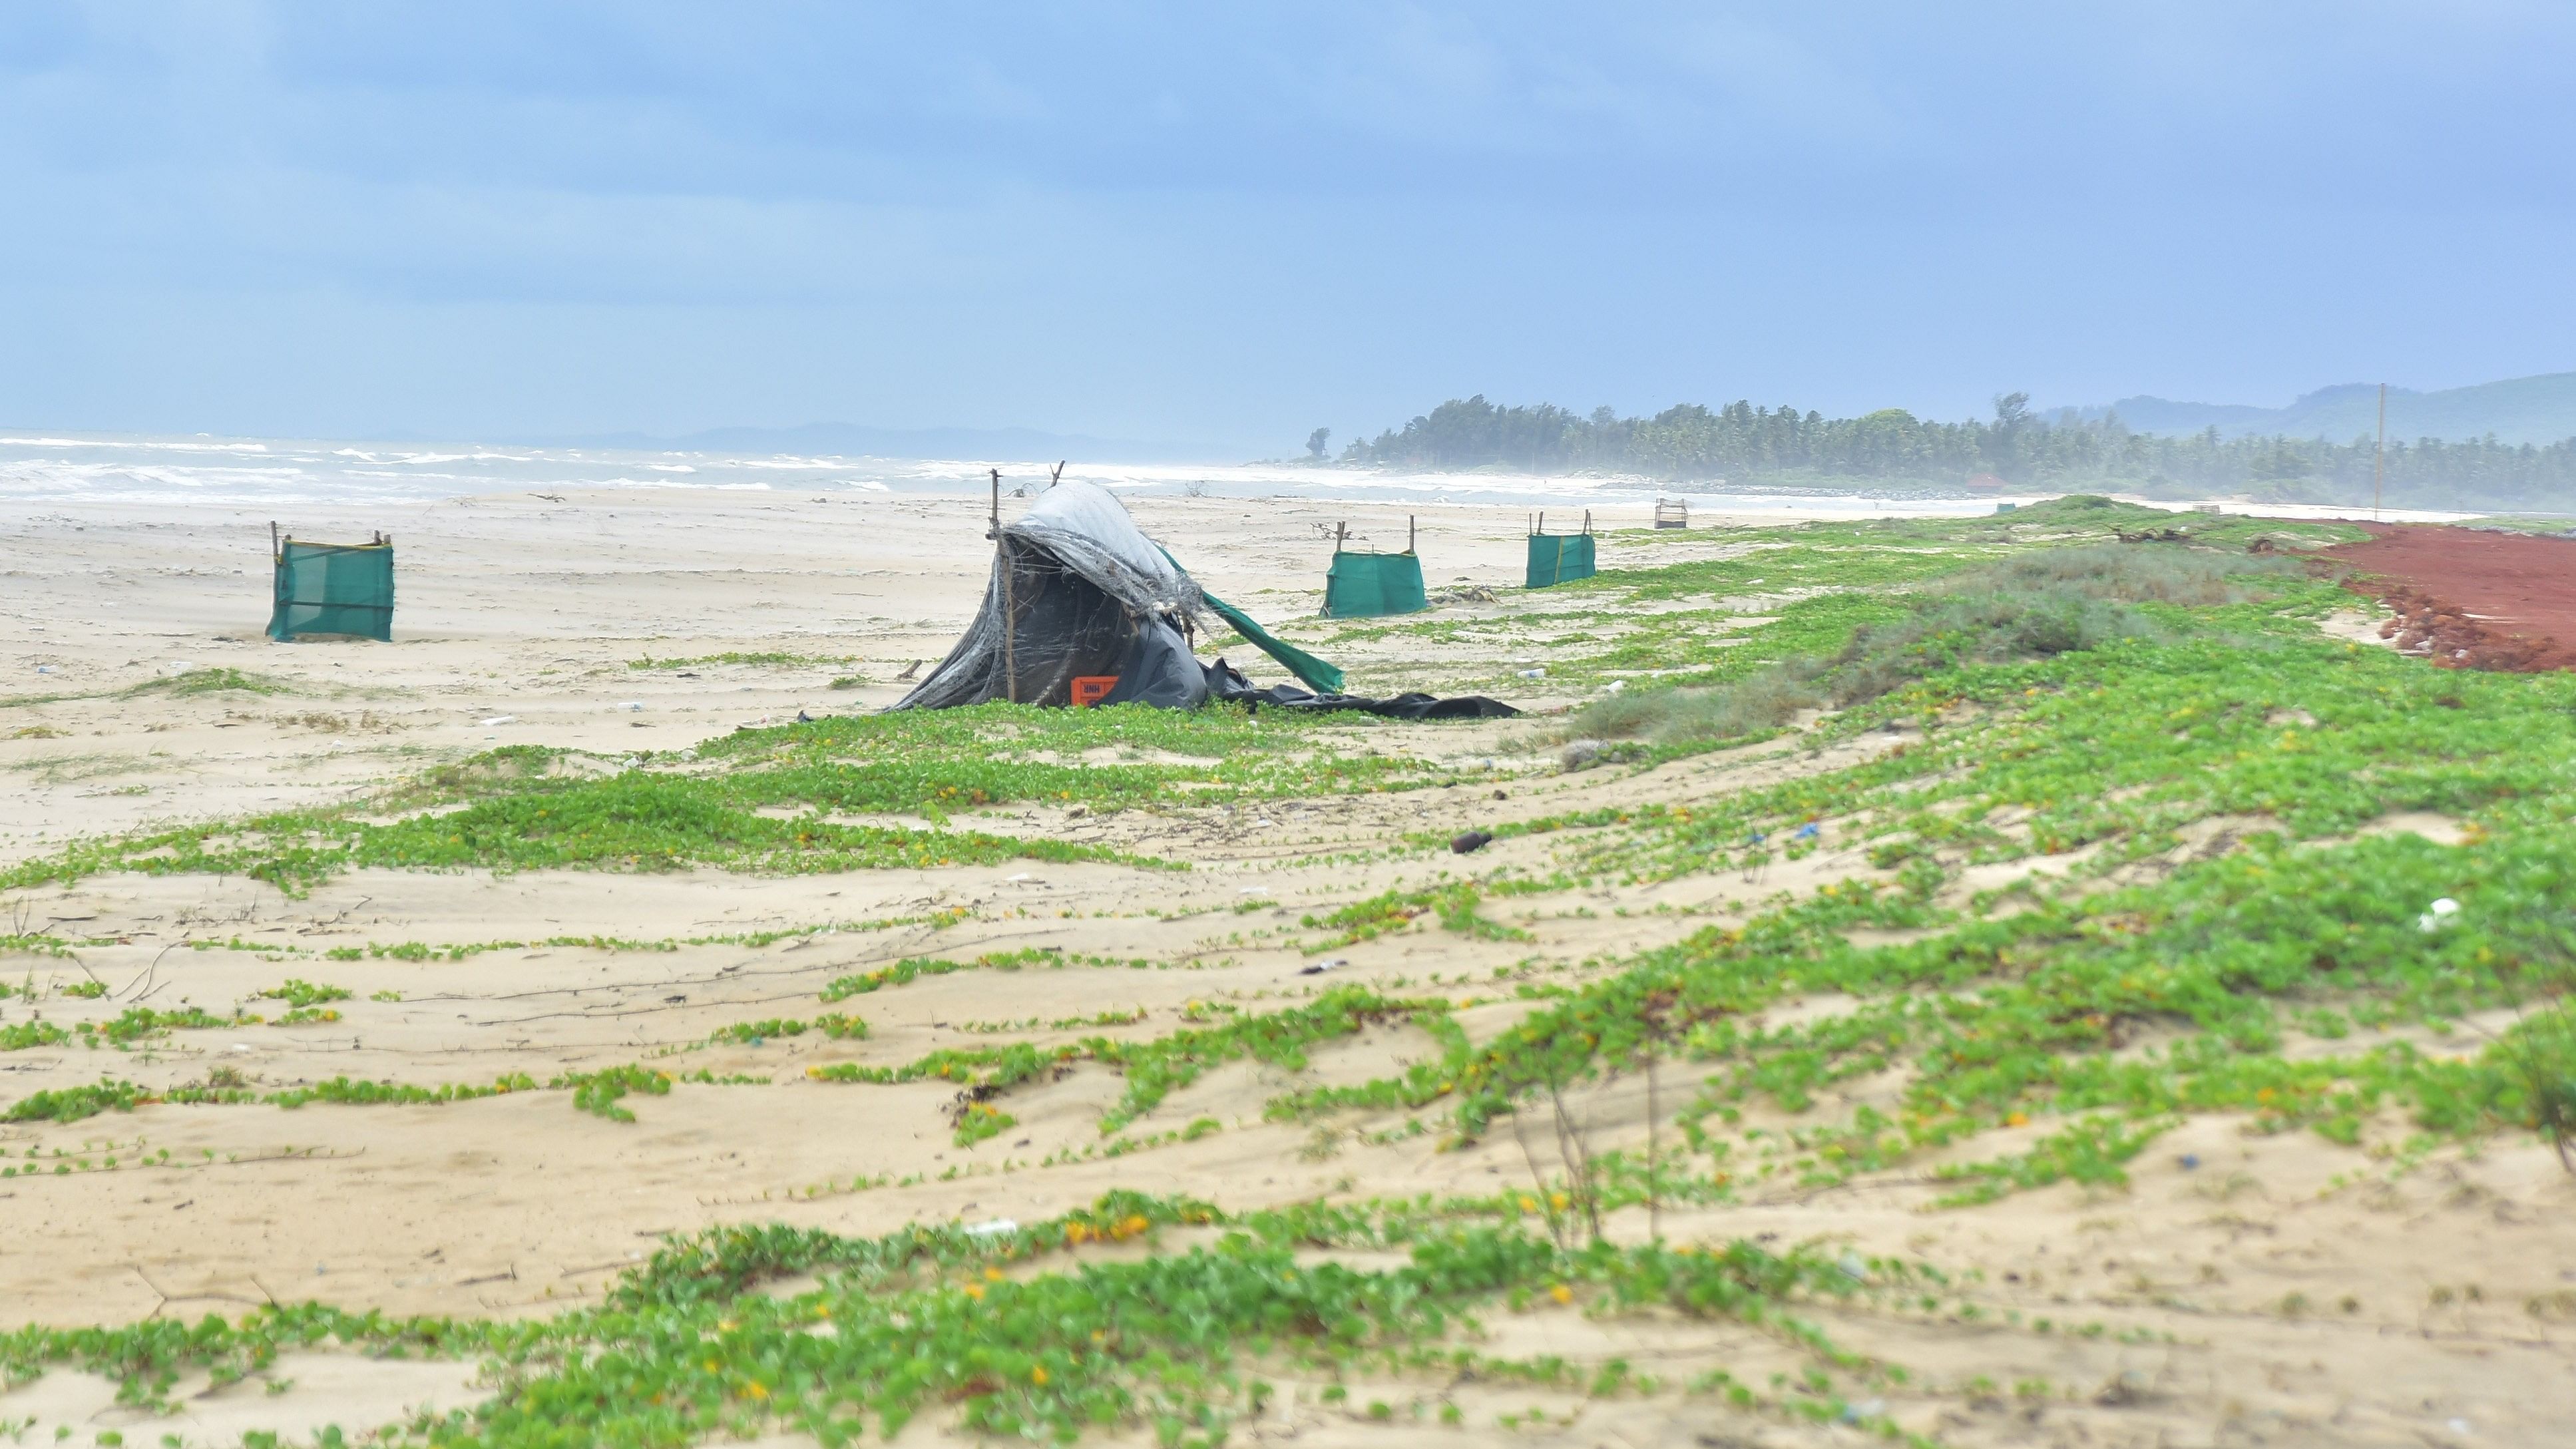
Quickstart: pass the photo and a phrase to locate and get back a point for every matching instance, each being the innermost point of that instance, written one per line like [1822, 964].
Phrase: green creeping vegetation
[632, 821]
[297, 992]
[192, 682]
[211, 681]
[835, 1025]
[597, 1093]
[2029, 606]
[1396, 910]
[2123, 1010]
[530, 808]
[2123, 746]
[1154, 1069]
[2118, 1007]
[979, 1121]
[1030, 1339]
[758, 657]
[931, 761]
[72, 1104]
[913, 968]
[468, 950]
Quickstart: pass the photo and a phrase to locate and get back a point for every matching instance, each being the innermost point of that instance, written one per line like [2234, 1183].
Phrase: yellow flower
[992, 1274]
[1529, 1204]
[754, 1391]
[1037, 1373]
[1557, 1200]
[974, 1290]
[1561, 1293]
[2017, 1119]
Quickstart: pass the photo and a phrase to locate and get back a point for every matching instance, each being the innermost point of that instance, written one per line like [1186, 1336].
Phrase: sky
[1224, 225]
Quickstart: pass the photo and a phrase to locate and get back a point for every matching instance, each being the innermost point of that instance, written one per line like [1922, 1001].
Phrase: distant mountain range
[2523, 410]
[853, 440]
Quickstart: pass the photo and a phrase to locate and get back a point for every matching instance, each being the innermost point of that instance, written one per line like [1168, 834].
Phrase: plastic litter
[1538, 673]
[992, 1228]
[1320, 967]
[2437, 915]
[500, 719]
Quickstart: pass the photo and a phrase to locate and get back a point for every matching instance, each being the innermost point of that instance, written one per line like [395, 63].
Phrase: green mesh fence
[334, 588]
[1556, 558]
[1365, 585]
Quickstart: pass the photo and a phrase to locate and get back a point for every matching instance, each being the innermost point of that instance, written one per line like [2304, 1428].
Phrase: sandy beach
[2433, 1310]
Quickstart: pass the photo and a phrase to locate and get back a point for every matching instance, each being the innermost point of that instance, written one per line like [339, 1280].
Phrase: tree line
[1690, 445]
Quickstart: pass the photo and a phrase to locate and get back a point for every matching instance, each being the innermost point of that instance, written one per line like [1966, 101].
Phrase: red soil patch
[2470, 599]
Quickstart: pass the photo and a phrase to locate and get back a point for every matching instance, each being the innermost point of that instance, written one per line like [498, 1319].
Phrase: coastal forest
[1891, 450]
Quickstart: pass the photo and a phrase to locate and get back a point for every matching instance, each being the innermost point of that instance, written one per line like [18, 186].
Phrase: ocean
[63, 468]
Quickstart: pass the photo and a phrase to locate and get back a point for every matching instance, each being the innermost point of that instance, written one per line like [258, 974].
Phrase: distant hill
[853, 440]
[2523, 410]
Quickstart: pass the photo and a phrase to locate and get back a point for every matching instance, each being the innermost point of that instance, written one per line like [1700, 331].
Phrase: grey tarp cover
[1089, 595]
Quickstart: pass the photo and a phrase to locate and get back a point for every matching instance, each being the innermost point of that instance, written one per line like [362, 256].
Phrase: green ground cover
[1031, 1338]
[2161, 722]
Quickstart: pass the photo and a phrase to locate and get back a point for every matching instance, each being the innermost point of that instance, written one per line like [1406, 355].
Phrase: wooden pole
[1010, 620]
[1408, 533]
[1058, 475]
[1654, 1162]
[2379, 465]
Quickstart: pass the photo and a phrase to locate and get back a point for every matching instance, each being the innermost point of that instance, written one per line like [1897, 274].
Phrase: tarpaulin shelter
[332, 588]
[1083, 608]
[1558, 558]
[1367, 585]
[1079, 593]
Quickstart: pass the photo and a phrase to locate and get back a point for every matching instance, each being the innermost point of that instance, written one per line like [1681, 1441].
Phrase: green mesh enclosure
[1365, 585]
[1556, 558]
[334, 588]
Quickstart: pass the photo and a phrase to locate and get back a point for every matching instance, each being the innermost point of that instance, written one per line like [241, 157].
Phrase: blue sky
[1227, 224]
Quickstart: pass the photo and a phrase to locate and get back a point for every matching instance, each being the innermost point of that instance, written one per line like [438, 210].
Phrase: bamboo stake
[1654, 1160]
[1010, 620]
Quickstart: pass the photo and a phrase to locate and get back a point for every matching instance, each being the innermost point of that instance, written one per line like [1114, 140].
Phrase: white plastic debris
[1615, 686]
[1320, 967]
[994, 1228]
[1538, 673]
[2437, 915]
[500, 719]
[632, 706]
